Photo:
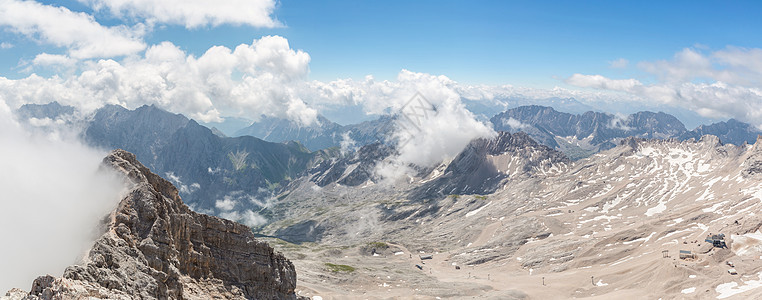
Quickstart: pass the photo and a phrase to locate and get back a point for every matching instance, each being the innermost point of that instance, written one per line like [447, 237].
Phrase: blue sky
[479, 42]
[605, 53]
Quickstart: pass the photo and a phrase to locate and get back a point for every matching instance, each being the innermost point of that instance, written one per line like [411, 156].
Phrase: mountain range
[577, 135]
[320, 135]
[152, 246]
[247, 172]
[581, 135]
[506, 209]
[545, 226]
[205, 167]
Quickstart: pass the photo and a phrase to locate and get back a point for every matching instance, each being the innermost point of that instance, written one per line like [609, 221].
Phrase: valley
[608, 217]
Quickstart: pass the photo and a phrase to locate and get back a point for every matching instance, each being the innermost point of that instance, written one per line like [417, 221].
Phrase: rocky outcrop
[582, 135]
[155, 247]
[353, 170]
[752, 166]
[730, 132]
[484, 163]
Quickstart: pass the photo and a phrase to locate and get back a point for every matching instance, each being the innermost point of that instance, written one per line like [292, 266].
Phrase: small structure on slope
[686, 254]
[717, 240]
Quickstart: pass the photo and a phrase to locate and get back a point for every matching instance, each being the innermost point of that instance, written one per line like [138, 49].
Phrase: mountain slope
[730, 132]
[581, 135]
[155, 247]
[206, 167]
[324, 134]
[318, 136]
[483, 165]
[241, 172]
[621, 216]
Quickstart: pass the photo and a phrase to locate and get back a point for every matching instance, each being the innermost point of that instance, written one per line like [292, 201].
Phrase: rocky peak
[352, 170]
[752, 166]
[484, 163]
[155, 247]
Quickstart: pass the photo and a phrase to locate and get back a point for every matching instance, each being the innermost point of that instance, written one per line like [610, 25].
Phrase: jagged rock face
[199, 162]
[353, 170]
[581, 135]
[321, 134]
[732, 132]
[483, 165]
[155, 247]
[52, 110]
[752, 166]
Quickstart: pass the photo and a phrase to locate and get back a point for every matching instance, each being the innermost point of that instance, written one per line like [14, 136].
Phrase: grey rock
[155, 247]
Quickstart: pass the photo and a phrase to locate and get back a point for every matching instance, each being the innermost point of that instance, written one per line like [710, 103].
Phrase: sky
[296, 59]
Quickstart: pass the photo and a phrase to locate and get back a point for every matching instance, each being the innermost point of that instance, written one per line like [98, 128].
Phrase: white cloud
[226, 204]
[620, 63]
[722, 84]
[46, 60]
[515, 124]
[246, 217]
[619, 121]
[264, 77]
[347, 144]
[79, 33]
[193, 13]
[183, 188]
[53, 198]
[6, 45]
[600, 82]
[439, 128]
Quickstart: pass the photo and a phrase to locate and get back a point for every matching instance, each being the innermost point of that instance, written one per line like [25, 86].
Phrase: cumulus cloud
[347, 144]
[600, 82]
[54, 195]
[432, 124]
[79, 33]
[246, 217]
[721, 84]
[193, 13]
[183, 188]
[620, 121]
[226, 204]
[620, 63]
[515, 124]
[261, 78]
[47, 60]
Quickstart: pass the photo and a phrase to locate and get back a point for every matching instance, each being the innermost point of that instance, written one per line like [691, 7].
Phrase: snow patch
[732, 288]
[747, 243]
[476, 211]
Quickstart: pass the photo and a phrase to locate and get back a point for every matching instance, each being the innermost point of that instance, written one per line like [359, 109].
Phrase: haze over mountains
[516, 202]
[576, 134]
[224, 175]
[206, 168]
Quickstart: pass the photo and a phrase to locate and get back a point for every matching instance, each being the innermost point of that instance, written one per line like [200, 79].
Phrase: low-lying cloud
[53, 196]
[432, 124]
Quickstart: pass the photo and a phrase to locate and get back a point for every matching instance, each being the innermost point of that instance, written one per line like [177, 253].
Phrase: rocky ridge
[155, 247]
[620, 216]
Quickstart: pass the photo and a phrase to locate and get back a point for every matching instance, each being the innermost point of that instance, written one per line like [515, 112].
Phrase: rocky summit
[154, 247]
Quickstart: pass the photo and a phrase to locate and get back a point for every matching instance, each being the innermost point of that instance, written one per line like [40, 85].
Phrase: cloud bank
[53, 197]
[192, 13]
[253, 79]
[78, 32]
[725, 83]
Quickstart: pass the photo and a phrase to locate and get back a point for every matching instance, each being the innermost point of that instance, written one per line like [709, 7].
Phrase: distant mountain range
[246, 171]
[580, 135]
[205, 167]
[577, 135]
[321, 135]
